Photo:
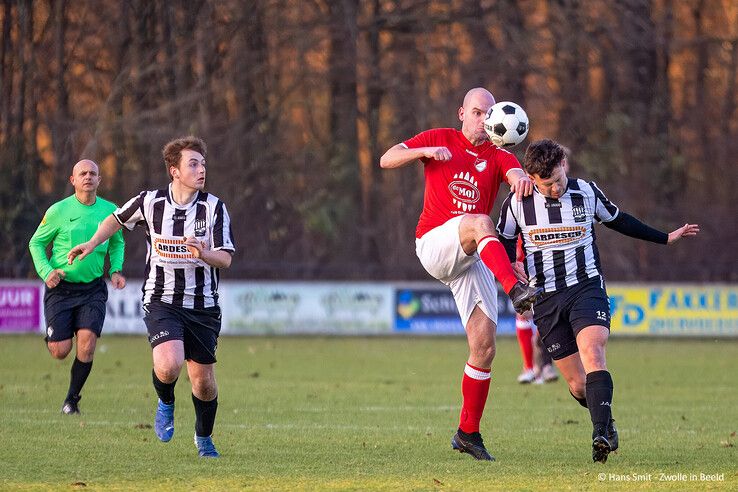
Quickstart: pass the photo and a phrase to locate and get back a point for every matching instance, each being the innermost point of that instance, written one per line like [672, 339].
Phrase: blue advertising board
[430, 310]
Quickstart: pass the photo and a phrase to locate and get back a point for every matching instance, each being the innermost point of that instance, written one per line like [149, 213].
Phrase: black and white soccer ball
[506, 123]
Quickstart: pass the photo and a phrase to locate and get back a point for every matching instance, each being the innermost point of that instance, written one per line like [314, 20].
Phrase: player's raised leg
[480, 333]
[477, 233]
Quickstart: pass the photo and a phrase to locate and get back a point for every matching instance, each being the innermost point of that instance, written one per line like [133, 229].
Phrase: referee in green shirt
[75, 297]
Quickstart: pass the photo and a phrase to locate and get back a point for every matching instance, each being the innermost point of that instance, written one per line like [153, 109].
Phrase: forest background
[297, 101]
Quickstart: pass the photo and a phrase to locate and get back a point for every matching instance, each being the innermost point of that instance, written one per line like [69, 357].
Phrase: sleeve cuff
[224, 248]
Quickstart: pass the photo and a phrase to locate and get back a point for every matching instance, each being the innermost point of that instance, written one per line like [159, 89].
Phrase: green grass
[358, 414]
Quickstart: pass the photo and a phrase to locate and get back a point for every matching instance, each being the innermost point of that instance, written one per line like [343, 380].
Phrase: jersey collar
[474, 148]
[174, 204]
[84, 204]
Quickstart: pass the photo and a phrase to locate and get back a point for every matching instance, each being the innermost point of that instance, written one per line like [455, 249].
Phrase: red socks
[474, 388]
[525, 340]
[494, 256]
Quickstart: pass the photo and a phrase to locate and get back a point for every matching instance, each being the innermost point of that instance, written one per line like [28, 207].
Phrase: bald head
[85, 178]
[83, 164]
[478, 93]
[476, 103]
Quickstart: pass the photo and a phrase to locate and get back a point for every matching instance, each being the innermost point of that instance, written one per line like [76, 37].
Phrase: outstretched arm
[684, 231]
[399, 155]
[630, 226]
[107, 228]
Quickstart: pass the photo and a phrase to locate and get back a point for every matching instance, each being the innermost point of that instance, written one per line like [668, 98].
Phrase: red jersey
[466, 184]
[519, 254]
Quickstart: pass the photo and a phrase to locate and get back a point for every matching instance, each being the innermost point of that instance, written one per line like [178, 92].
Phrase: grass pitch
[367, 413]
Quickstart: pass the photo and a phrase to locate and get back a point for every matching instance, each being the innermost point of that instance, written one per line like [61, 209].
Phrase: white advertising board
[124, 311]
[340, 308]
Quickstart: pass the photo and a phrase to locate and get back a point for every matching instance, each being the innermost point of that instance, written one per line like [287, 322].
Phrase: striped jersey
[173, 275]
[558, 235]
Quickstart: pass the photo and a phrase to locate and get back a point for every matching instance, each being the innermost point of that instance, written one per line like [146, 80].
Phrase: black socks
[204, 416]
[204, 410]
[164, 390]
[599, 399]
[582, 401]
[80, 371]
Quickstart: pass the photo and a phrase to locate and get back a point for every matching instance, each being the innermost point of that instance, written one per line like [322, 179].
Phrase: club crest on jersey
[464, 192]
[480, 165]
[579, 213]
[200, 226]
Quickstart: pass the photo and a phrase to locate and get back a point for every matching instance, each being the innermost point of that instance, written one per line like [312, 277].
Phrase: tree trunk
[343, 115]
[6, 75]
[374, 93]
[61, 124]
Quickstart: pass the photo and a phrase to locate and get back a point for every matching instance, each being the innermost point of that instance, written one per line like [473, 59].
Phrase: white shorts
[471, 282]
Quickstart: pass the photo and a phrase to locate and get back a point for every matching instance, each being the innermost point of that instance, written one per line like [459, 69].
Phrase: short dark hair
[172, 151]
[542, 157]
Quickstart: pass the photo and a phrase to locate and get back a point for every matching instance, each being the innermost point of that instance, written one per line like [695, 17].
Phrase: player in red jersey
[457, 244]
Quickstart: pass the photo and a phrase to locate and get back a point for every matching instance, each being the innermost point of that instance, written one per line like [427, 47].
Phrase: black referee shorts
[562, 314]
[71, 306]
[197, 328]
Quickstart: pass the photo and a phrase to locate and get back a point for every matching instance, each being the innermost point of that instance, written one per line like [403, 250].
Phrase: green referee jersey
[68, 223]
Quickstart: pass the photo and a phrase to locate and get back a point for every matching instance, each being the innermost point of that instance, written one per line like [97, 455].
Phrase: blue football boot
[164, 421]
[205, 447]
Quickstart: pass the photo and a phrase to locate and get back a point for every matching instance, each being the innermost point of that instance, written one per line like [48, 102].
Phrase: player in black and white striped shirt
[573, 315]
[189, 240]
[559, 234]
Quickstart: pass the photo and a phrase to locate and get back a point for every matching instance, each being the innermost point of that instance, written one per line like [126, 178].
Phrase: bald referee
[75, 297]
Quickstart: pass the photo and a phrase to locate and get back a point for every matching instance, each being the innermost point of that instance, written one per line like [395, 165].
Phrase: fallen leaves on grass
[727, 443]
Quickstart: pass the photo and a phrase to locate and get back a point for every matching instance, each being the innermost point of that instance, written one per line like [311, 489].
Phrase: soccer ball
[506, 124]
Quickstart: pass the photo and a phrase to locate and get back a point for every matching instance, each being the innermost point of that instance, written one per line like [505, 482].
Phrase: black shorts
[71, 306]
[197, 328]
[562, 314]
